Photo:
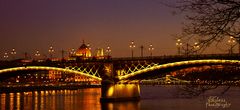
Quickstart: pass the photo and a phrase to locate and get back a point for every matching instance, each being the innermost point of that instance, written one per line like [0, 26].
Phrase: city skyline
[30, 26]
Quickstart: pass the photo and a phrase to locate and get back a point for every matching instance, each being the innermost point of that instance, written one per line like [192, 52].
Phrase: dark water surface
[152, 98]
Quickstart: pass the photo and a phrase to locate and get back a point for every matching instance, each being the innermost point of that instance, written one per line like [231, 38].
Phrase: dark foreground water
[152, 98]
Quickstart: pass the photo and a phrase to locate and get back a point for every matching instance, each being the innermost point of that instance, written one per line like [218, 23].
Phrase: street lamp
[51, 50]
[5, 56]
[141, 47]
[196, 46]
[37, 54]
[179, 45]
[151, 49]
[108, 51]
[231, 42]
[13, 52]
[88, 46]
[72, 52]
[132, 46]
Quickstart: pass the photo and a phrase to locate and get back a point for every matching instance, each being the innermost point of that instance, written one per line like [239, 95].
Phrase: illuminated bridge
[112, 71]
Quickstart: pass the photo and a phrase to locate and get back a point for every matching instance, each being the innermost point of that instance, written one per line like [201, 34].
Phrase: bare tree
[210, 20]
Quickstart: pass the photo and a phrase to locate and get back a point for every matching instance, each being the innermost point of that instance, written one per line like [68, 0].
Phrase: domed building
[83, 51]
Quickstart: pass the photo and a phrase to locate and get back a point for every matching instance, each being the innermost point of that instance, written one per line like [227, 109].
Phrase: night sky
[30, 25]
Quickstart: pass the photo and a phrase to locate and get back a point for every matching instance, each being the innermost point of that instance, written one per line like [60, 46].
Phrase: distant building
[100, 53]
[84, 51]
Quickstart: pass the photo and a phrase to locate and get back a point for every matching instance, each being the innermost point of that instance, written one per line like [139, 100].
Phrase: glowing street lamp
[151, 49]
[179, 45]
[88, 46]
[37, 54]
[5, 56]
[72, 52]
[13, 52]
[231, 42]
[108, 51]
[196, 46]
[132, 46]
[51, 50]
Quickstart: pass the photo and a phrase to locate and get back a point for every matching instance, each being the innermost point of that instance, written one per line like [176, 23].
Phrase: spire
[83, 41]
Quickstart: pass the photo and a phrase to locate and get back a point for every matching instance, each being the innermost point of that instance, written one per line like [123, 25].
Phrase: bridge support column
[120, 92]
[112, 91]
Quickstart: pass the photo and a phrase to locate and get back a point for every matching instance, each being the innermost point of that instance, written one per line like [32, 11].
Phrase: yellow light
[162, 66]
[110, 91]
[48, 68]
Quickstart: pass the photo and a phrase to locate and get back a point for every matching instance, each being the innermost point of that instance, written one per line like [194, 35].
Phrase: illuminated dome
[83, 51]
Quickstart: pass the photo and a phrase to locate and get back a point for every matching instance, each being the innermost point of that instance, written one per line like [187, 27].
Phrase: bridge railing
[177, 56]
[163, 58]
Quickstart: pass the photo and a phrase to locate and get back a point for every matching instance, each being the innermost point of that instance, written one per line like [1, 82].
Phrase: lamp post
[231, 42]
[151, 49]
[132, 46]
[108, 51]
[13, 52]
[196, 47]
[37, 54]
[141, 47]
[51, 50]
[88, 46]
[63, 53]
[72, 52]
[5, 56]
[179, 45]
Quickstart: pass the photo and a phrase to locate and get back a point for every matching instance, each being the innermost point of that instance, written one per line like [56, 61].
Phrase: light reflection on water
[152, 97]
[52, 100]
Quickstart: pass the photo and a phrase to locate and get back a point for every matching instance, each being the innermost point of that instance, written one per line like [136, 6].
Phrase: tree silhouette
[210, 20]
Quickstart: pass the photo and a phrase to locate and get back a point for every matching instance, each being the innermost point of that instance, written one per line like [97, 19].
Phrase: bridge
[112, 71]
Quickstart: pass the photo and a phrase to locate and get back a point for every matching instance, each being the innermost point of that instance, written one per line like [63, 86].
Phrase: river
[164, 97]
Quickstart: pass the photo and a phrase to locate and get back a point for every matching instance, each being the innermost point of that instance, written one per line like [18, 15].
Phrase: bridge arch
[179, 64]
[48, 68]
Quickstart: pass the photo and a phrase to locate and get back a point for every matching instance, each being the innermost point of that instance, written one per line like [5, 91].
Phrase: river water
[164, 97]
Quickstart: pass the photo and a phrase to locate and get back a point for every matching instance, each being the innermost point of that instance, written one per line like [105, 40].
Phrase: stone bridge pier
[111, 91]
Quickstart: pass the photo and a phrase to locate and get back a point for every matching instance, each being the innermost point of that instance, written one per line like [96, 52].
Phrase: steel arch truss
[83, 72]
[90, 70]
[143, 69]
[129, 69]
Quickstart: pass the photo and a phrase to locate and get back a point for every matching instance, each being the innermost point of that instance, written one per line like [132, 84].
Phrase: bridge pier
[112, 91]
[119, 92]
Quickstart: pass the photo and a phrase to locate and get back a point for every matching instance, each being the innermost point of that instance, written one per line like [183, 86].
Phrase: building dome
[83, 51]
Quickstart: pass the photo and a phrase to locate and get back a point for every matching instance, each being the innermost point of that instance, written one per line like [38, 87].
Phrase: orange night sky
[30, 25]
